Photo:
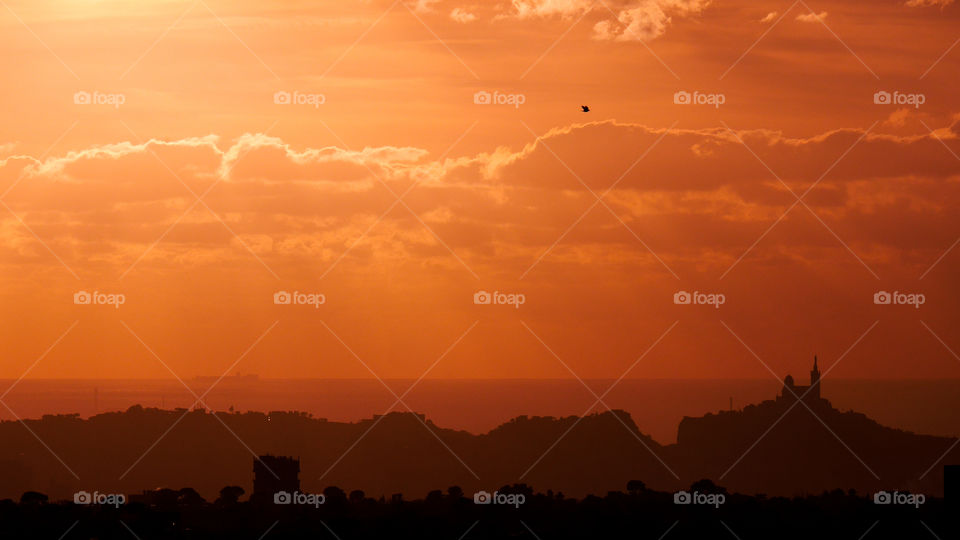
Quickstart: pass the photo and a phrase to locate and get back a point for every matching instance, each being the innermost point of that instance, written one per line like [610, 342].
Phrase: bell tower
[815, 380]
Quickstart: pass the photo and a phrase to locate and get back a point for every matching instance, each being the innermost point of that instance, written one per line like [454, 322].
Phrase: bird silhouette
[585, 108]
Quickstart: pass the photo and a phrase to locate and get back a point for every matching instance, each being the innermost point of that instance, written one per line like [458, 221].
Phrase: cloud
[635, 20]
[461, 15]
[700, 187]
[812, 17]
[698, 200]
[929, 3]
[769, 17]
[526, 9]
[646, 20]
[425, 6]
[899, 117]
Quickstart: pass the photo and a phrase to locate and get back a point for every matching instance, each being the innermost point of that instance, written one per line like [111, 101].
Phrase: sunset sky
[191, 187]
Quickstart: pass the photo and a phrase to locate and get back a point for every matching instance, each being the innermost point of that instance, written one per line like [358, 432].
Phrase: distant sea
[657, 406]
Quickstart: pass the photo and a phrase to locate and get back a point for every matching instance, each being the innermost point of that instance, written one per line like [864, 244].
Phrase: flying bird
[585, 108]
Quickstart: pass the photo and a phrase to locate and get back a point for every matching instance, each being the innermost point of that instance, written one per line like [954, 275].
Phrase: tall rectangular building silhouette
[951, 484]
[272, 474]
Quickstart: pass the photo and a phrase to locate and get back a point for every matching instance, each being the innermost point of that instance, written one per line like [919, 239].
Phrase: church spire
[815, 379]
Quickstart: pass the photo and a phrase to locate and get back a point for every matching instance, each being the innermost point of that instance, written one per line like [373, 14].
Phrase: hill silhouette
[407, 453]
[808, 451]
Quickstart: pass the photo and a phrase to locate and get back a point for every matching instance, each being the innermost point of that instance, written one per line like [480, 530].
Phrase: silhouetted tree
[455, 493]
[164, 497]
[831, 515]
[334, 495]
[33, 498]
[634, 487]
[707, 486]
[230, 495]
[357, 496]
[189, 497]
[518, 488]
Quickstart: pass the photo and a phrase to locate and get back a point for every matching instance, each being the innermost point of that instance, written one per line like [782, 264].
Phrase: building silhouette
[809, 393]
[272, 474]
[951, 484]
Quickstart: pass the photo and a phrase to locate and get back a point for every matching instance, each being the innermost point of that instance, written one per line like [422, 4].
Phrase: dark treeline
[806, 452]
[637, 512]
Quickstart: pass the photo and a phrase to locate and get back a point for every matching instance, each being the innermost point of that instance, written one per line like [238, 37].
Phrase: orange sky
[103, 196]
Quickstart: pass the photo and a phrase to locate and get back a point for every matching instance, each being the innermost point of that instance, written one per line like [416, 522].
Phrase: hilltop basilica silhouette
[809, 394]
